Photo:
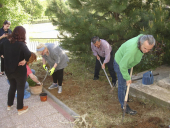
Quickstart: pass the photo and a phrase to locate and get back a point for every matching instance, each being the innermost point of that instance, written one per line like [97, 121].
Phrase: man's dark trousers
[109, 65]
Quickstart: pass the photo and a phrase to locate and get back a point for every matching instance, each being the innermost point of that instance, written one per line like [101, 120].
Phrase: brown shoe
[23, 110]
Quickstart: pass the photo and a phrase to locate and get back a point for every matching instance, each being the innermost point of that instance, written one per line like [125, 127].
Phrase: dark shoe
[114, 84]
[95, 78]
[130, 111]
[129, 100]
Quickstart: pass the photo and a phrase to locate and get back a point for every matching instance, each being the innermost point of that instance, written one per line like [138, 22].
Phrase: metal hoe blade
[124, 110]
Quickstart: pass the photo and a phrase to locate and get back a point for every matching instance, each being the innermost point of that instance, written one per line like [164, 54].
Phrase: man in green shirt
[127, 56]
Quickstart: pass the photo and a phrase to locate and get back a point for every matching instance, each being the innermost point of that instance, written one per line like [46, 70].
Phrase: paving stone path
[39, 115]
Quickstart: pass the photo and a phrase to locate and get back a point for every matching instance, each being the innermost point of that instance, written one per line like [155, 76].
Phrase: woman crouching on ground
[31, 72]
[57, 60]
[16, 54]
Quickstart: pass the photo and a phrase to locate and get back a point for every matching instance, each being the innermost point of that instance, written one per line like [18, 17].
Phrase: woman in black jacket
[16, 54]
[4, 32]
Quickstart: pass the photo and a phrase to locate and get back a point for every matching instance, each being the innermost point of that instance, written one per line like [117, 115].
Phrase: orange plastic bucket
[43, 97]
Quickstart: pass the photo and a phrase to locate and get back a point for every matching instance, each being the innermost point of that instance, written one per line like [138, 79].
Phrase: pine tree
[113, 20]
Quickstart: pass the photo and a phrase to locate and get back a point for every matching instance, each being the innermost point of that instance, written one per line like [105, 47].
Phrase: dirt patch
[152, 122]
[85, 95]
[67, 92]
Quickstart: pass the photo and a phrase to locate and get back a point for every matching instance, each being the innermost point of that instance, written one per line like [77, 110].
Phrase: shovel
[107, 77]
[126, 97]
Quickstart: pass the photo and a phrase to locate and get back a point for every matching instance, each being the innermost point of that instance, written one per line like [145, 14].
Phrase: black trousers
[110, 67]
[2, 65]
[16, 83]
[58, 77]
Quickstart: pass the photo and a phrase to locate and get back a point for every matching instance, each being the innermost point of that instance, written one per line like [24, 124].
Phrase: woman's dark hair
[7, 22]
[18, 34]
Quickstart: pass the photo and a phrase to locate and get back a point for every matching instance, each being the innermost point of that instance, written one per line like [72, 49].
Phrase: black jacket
[13, 54]
[2, 32]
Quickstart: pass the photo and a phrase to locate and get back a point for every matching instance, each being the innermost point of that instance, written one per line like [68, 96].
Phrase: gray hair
[94, 39]
[149, 38]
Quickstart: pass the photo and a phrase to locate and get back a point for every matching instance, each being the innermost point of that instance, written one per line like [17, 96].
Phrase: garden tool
[107, 77]
[126, 97]
[47, 73]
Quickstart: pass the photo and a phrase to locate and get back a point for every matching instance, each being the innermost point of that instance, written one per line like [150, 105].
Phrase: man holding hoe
[103, 51]
[127, 56]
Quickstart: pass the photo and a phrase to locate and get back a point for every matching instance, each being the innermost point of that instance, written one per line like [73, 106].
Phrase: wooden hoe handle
[127, 91]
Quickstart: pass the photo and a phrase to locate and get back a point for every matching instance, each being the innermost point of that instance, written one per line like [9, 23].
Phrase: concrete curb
[142, 95]
[61, 104]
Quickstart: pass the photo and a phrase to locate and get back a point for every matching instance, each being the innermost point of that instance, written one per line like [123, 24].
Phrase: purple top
[103, 51]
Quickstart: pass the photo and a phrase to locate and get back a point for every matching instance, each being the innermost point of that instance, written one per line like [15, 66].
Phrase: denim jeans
[26, 84]
[121, 84]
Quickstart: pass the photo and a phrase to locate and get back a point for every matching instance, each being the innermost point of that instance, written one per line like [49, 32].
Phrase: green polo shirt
[128, 55]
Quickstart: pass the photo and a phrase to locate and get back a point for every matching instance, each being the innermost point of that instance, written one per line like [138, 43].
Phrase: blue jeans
[121, 84]
[33, 71]
[26, 84]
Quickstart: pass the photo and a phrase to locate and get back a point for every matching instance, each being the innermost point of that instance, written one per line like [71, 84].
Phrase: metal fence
[34, 42]
[43, 19]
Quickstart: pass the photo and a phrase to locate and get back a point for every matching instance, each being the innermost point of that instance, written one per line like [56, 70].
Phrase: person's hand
[2, 56]
[51, 71]
[98, 57]
[4, 35]
[103, 66]
[45, 67]
[39, 83]
[22, 63]
[128, 82]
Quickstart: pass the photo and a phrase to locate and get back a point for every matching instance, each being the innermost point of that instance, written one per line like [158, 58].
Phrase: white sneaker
[59, 89]
[9, 107]
[53, 86]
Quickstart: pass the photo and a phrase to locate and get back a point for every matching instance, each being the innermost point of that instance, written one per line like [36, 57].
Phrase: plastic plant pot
[43, 97]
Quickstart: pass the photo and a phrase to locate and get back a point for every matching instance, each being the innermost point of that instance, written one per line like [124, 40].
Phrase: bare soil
[84, 95]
